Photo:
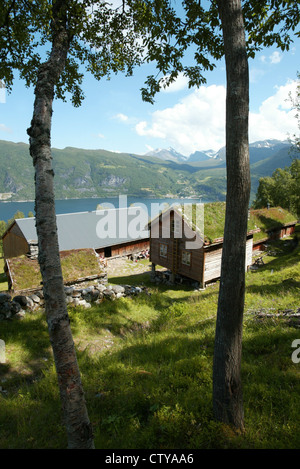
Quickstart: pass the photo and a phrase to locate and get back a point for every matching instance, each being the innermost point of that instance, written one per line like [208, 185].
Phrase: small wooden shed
[177, 242]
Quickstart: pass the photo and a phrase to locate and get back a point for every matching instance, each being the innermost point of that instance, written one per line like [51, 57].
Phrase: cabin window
[163, 250]
[186, 258]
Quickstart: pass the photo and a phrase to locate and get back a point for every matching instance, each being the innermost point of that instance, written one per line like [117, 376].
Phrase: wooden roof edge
[8, 229]
[283, 225]
[216, 241]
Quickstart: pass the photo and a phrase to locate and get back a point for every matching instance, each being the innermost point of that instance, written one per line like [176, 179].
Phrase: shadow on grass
[286, 258]
[3, 282]
[127, 315]
[157, 392]
[135, 279]
[28, 342]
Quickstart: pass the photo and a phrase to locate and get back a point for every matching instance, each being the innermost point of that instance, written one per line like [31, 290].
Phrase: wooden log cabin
[177, 242]
[105, 231]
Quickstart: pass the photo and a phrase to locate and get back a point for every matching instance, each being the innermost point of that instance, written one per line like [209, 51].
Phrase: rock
[84, 304]
[118, 289]
[30, 303]
[95, 295]
[110, 294]
[20, 314]
[5, 310]
[21, 299]
[69, 290]
[76, 293]
[15, 307]
[35, 298]
[40, 294]
[87, 297]
[4, 297]
[75, 302]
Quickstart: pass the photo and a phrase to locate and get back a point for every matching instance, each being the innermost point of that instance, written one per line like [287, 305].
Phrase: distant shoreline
[111, 197]
[73, 205]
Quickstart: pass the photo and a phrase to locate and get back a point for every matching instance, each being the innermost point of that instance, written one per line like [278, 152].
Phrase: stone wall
[78, 295]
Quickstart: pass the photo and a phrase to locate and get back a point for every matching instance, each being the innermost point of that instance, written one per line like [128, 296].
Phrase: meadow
[146, 366]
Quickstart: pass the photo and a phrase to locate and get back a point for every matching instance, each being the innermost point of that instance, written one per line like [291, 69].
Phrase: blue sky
[114, 117]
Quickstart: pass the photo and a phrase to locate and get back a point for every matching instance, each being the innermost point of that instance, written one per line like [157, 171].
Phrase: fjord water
[153, 206]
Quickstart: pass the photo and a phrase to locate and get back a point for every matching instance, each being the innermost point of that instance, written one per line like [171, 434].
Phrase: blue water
[153, 206]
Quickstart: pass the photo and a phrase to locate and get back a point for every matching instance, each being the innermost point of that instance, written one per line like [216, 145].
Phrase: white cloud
[179, 84]
[4, 128]
[197, 122]
[100, 135]
[275, 57]
[275, 118]
[121, 117]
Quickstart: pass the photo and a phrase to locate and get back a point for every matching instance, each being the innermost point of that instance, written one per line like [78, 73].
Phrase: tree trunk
[227, 386]
[75, 415]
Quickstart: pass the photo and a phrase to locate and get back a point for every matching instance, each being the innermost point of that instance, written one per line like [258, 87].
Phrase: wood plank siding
[14, 243]
[174, 245]
[125, 249]
[213, 258]
[181, 250]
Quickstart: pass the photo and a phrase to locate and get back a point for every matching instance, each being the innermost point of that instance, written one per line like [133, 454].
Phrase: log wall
[14, 243]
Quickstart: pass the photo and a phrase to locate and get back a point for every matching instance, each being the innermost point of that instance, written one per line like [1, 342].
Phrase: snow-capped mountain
[272, 143]
[258, 151]
[168, 154]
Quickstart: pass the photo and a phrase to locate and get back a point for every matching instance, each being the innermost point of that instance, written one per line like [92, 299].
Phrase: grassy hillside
[146, 366]
[99, 173]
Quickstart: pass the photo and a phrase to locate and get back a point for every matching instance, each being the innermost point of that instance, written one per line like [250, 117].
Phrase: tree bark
[79, 431]
[227, 386]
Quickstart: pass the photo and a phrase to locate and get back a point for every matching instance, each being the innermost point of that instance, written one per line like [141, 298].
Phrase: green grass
[75, 264]
[264, 219]
[3, 278]
[146, 366]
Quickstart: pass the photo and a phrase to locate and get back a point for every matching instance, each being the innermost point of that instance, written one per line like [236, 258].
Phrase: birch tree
[227, 386]
[235, 30]
[66, 33]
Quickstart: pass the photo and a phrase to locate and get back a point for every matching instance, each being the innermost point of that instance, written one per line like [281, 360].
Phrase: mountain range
[81, 173]
[258, 150]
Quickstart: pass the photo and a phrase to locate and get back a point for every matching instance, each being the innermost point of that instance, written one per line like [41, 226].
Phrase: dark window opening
[107, 252]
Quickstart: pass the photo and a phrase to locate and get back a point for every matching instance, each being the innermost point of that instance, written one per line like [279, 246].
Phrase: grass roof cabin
[78, 265]
[188, 239]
